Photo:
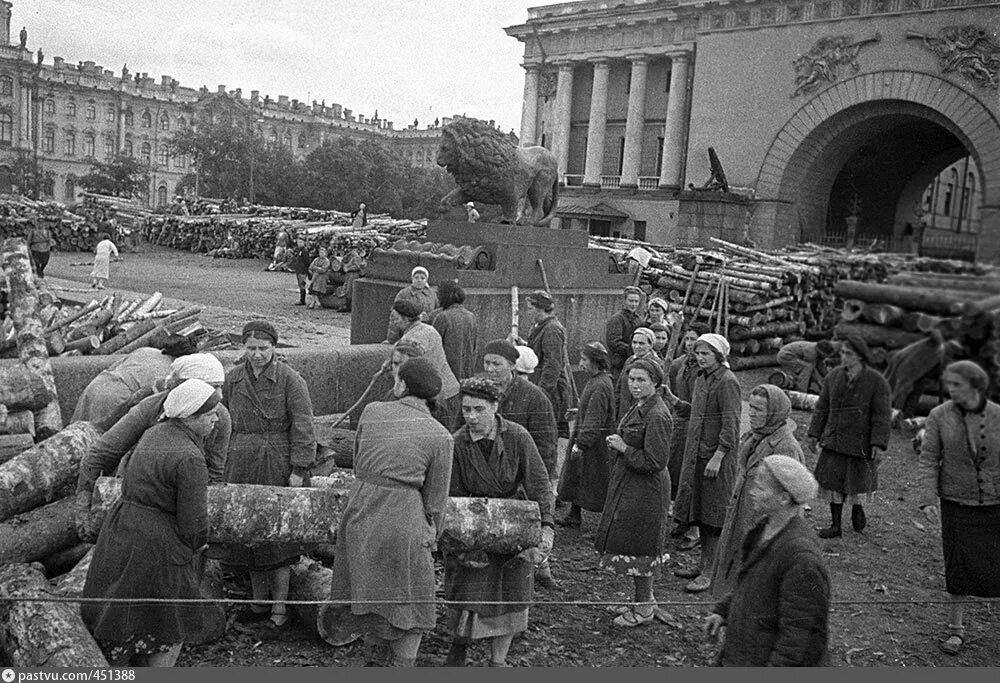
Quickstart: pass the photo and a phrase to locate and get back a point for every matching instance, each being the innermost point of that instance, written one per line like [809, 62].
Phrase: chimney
[283, 101]
[164, 80]
[388, 125]
[109, 73]
[338, 111]
[57, 63]
[254, 95]
[239, 93]
[347, 114]
[221, 89]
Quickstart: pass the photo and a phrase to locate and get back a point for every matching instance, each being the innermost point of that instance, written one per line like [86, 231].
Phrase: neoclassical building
[64, 116]
[816, 110]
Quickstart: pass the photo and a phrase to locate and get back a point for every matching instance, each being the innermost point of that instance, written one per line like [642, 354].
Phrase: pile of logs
[70, 231]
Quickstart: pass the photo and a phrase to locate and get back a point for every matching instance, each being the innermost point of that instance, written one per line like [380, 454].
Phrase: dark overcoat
[584, 479]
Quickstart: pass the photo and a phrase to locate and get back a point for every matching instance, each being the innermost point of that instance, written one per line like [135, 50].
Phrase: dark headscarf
[407, 308]
[858, 344]
[651, 366]
[597, 353]
[260, 329]
[502, 348]
[421, 378]
[177, 345]
[779, 409]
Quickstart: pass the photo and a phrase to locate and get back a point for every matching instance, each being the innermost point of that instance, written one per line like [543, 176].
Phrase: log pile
[70, 231]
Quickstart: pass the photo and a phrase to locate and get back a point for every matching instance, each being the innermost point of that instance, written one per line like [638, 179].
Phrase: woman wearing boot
[851, 424]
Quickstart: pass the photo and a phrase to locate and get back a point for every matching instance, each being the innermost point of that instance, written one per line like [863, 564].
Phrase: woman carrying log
[960, 465]
[102, 261]
[584, 479]
[402, 463]
[147, 545]
[772, 432]
[629, 537]
[273, 443]
[851, 423]
[493, 458]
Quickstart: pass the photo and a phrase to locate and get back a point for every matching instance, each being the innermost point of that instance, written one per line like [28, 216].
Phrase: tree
[224, 153]
[27, 174]
[122, 176]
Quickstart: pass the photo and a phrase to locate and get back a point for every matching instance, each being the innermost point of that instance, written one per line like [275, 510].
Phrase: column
[635, 121]
[564, 104]
[676, 126]
[598, 124]
[529, 111]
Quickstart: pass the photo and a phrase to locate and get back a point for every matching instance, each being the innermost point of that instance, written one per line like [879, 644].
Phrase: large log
[128, 336]
[71, 583]
[775, 329]
[65, 560]
[957, 283]
[38, 533]
[20, 422]
[310, 580]
[42, 634]
[41, 473]
[86, 345]
[769, 360]
[883, 314]
[802, 401]
[22, 389]
[919, 299]
[743, 296]
[14, 444]
[876, 335]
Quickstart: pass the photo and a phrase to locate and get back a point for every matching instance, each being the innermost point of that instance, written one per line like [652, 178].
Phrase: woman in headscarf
[402, 351]
[273, 443]
[656, 311]
[772, 432]
[319, 276]
[402, 466]
[494, 458]
[420, 293]
[960, 465]
[147, 545]
[584, 480]
[101, 271]
[642, 347]
[629, 537]
[710, 462]
[851, 423]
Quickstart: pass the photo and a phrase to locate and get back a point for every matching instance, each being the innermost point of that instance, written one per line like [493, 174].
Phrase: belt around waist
[379, 480]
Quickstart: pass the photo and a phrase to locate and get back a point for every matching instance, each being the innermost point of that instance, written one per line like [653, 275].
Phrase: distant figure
[279, 260]
[40, 243]
[359, 217]
[102, 261]
[805, 363]
[24, 37]
[471, 214]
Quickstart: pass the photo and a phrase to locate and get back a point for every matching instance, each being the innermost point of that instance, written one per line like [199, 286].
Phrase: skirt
[970, 536]
[102, 266]
[845, 474]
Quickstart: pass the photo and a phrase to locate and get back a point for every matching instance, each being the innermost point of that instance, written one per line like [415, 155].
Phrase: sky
[409, 59]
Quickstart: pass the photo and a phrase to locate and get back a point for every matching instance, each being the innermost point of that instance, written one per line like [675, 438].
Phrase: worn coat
[425, 298]
[431, 341]
[272, 437]
[319, 272]
[114, 386]
[513, 470]
[713, 425]
[618, 337]
[960, 456]
[779, 611]
[852, 418]
[584, 479]
[402, 463]
[907, 367]
[801, 360]
[457, 327]
[147, 543]
[624, 399]
[681, 375]
[108, 455]
[528, 406]
[633, 511]
[548, 340]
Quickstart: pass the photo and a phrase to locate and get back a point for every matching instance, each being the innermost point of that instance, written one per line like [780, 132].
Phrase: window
[129, 118]
[181, 122]
[163, 156]
[88, 145]
[70, 192]
[69, 144]
[145, 153]
[164, 122]
[274, 136]
[71, 108]
[639, 230]
[180, 161]
[302, 140]
[161, 196]
[659, 155]
[109, 115]
[109, 147]
[127, 148]
[91, 112]
[147, 120]
[287, 140]
[6, 85]
[49, 140]
[6, 129]
[50, 107]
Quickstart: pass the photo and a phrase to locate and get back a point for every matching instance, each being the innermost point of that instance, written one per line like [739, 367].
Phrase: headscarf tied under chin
[779, 409]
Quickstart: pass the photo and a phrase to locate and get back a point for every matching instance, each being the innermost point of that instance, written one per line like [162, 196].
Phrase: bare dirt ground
[882, 578]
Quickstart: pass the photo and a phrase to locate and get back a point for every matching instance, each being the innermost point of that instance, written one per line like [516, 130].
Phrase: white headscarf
[527, 359]
[717, 342]
[203, 366]
[187, 398]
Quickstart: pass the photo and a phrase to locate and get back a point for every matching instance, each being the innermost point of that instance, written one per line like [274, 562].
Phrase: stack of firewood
[70, 231]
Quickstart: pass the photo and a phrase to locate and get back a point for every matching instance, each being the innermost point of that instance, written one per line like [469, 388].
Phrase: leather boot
[858, 519]
[833, 531]
[456, 655]
[302, 298]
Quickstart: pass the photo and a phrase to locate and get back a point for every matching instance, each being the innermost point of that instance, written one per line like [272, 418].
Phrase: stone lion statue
[490, 168]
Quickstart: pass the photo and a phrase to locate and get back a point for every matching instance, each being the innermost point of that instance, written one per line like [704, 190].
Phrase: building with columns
[64, 116]
[818, 110]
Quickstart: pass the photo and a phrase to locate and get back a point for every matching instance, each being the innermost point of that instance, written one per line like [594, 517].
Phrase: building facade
[61, 117]
[816, 110]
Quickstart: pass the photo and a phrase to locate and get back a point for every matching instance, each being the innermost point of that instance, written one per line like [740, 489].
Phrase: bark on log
[20, 422]
[775, 329]
[38, 475]
[979, 306]
[22, 389]
[14, 444]
[734, 318]
[86, 310]
[750, 362]
[42, 634]
[38, 533]
[71, 583]
[918, 299]
[310, 580]
[91, 327]
[852, 310]
[149, 304]
[740, 295]
[85, 345]
[882, 314]
[245, 513]
[954, 282]
[802, 401]
[63, 561]
[128, 336]
[876, 335]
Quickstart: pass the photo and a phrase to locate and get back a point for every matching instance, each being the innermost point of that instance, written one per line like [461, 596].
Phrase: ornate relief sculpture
[819, 66]
[966, 50]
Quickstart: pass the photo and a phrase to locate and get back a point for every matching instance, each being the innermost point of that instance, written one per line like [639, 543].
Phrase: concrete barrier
[335, 377]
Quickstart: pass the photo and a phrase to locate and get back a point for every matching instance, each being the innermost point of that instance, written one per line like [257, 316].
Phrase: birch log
[42, 634]
[310, 580]
[71, 583]
[38, 533]
[22, 389]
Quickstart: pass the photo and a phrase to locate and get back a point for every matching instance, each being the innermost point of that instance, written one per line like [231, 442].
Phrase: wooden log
[245, 513]
[42, 634]
[876, 335]
[958, 283]
[734, 319]
[971, 308]
[14, 444]
[23, 389]
[801, 400]
[851, 310]
[781, 379]
[775, 329]
[86, 345]
[155, 338]
[149, 304]
[71, 583]
[751, 362]
[121, 339]
[773, 303]
[741, 295]
[36, 534]
[86, 310]
[63, 561]
[310, 580]
[18, 422]
[38, 475]
[91, 326]
[882, 314]
[919, 299]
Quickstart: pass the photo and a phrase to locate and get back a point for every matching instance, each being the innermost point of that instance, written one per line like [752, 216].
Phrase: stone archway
[806, 156]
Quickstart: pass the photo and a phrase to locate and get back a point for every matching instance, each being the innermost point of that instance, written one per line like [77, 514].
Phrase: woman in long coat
[629, 537]
[681, 375]
[420, 293]
[851, 422]
[147, 545]
[396, 512]
[584, 479]
[494, 458]
[710, 461]
[547, 338]
[642, 347]
[960, 465]
[772, 432]
[272, 443]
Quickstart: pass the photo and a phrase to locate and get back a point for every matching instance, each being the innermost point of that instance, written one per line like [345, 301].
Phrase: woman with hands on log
[629, 537]
[494, 458]
[851, 423]
[273, 443]
[147, 545]
[960, 465]
[402, 465]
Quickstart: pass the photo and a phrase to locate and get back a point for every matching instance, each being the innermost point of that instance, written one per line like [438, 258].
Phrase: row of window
[69, 192]
[90, 143]
[90, 113]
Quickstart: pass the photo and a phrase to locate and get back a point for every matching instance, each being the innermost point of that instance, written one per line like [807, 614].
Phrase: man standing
[547, 338]
[778, 613]
[618, 331]
[40, 242]
[805, 362]
[301, 258]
